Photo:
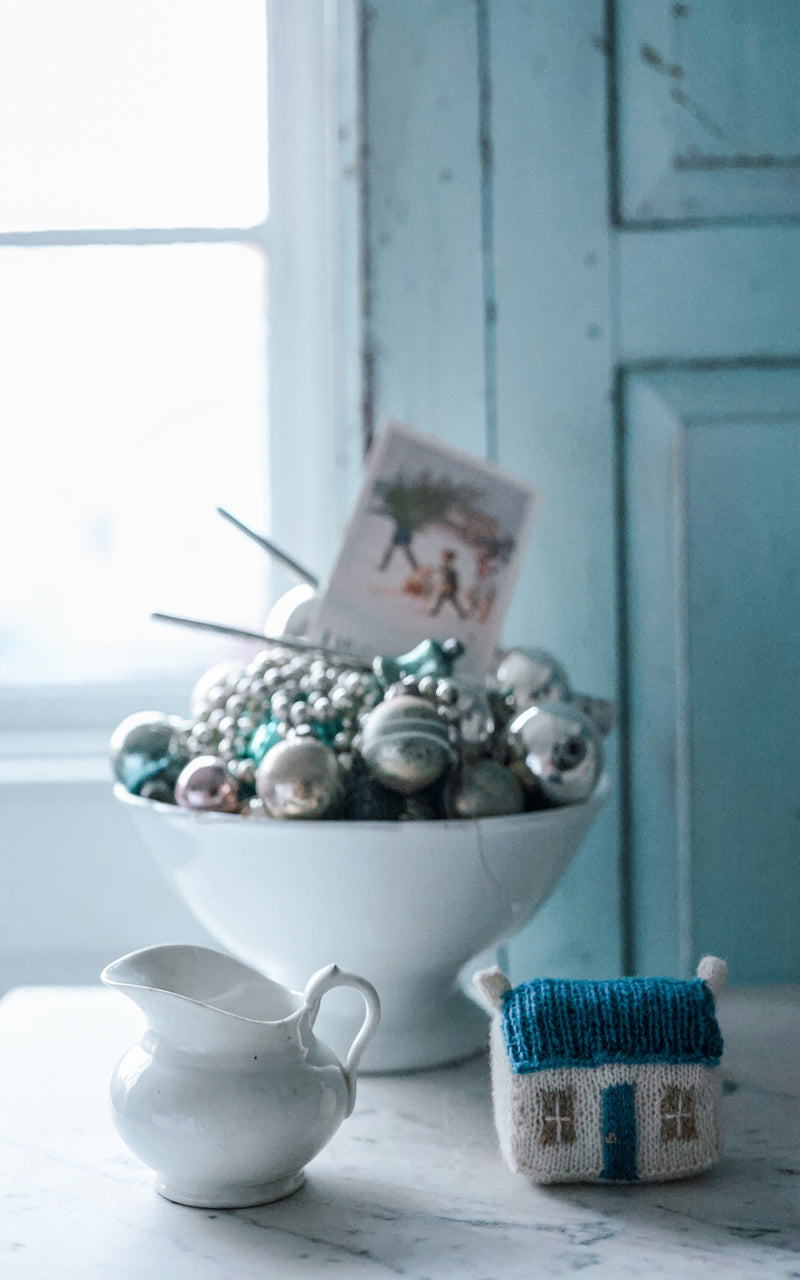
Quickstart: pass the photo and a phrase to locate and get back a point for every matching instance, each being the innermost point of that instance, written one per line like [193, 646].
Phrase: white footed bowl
[405, 904]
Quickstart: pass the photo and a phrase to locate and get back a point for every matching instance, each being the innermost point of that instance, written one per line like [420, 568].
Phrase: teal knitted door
[619, 1133]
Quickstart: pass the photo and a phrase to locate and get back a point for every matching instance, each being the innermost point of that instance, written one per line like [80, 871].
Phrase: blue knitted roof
[555, 1023]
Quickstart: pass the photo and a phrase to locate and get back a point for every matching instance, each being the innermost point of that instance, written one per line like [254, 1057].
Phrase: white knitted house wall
[520, 1120]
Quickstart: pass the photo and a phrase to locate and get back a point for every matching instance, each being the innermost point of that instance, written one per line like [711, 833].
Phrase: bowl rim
[180, 814]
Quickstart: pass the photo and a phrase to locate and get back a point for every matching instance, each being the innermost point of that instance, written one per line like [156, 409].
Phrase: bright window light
[133, 330]
[133, 404]
[120, 114]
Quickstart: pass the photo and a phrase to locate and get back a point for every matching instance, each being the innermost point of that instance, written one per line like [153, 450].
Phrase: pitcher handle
[324, 980]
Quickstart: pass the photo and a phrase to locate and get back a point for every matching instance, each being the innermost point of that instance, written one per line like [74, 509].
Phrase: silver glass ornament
[299, 778]
[475, 719]
[561, 750]
[532, 677]
[405, 744]
[482, 789]
[294, 612]
[602, 711]
[146, 746]
[206, 784]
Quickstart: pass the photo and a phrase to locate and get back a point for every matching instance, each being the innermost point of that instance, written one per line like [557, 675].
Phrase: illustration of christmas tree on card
[432, 550]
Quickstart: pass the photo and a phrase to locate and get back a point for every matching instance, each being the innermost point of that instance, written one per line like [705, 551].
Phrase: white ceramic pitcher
[229, 1094]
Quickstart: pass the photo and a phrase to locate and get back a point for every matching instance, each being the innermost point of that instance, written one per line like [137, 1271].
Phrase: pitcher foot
[230, 1195]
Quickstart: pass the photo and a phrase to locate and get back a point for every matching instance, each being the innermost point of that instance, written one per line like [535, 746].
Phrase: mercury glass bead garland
[300, 734]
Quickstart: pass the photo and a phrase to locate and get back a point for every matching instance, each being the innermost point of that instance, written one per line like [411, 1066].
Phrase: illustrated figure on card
[432, 550]
[448, 585]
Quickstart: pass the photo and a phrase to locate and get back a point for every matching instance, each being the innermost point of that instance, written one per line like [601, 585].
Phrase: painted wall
[580, 256]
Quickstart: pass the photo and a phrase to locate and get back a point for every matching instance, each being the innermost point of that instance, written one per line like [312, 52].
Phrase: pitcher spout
[188, 991]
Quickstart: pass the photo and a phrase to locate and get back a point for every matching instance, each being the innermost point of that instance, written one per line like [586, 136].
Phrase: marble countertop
[412, 1184]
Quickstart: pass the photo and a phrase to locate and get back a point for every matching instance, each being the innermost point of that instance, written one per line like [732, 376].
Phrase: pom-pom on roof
[554, 1023]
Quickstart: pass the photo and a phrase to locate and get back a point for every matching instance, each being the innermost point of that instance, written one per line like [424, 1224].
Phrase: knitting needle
[289, 642]
[305, 574]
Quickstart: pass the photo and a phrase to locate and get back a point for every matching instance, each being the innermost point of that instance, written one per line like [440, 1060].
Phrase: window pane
[116, 114]
[133, 403]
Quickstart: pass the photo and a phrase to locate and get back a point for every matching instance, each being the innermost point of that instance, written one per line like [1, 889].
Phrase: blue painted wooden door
[583, 261]
[619, 1133]
[708, 296]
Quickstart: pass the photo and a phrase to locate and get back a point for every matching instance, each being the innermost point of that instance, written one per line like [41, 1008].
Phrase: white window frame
[312, 243]
[63, 838]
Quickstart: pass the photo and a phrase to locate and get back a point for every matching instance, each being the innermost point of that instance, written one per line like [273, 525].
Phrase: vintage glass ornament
[148, 746]
[405, 744]
[367, 800]
[482, 789]
[475, 719]
[299, 778]
[423, 806]
[159, 789]
[602, 711]
[560, 749]
[532, 677]
[206, 784]
[294, 612]
[429, 658]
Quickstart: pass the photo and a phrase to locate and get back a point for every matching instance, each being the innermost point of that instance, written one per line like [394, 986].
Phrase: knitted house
[606, 1081]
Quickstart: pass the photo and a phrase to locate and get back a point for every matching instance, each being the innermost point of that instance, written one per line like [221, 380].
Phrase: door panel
[712, 462]
[717, 293]
[550, 215]
[709, 114]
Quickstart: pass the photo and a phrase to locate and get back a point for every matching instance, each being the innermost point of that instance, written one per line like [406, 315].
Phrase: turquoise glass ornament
[429, 658]
[146, 747]
[266, 736]
[326, 730]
